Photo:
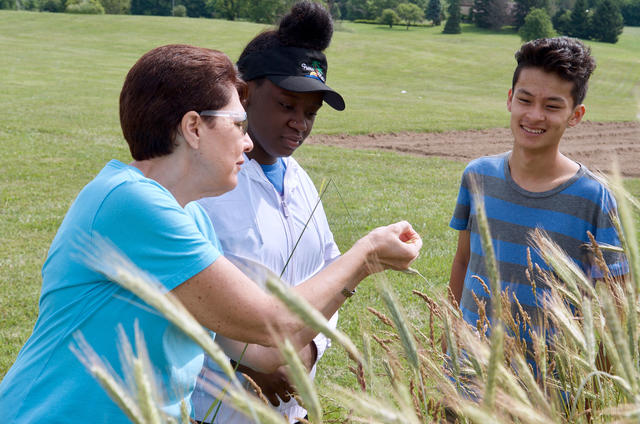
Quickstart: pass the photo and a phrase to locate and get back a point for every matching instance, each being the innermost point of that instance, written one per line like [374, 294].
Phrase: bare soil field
[594, 144]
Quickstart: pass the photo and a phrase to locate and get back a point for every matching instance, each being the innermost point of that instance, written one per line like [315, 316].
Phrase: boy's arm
[459, 266]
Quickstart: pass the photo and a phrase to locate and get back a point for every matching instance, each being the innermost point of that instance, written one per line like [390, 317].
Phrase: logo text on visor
[314, 71]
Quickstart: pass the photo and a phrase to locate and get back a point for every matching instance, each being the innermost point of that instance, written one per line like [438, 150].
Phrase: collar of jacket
[254, 172]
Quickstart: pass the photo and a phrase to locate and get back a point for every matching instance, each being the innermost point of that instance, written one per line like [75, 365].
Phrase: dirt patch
[594, 144]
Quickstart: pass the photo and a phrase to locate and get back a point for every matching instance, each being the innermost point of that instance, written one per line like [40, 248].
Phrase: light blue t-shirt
[275, 174]
[47, 383]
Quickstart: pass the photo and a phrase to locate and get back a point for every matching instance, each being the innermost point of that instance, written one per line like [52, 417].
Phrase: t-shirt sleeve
[146, 223]
[204, 224]
[461, 213]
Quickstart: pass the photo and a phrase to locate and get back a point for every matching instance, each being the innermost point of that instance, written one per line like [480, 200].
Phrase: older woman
[182, 117]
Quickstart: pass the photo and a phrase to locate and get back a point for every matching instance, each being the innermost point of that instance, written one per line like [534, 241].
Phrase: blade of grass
[303, 383]
[497, 332]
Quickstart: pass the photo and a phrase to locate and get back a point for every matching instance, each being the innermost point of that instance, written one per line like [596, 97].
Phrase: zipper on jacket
[291, 236]
[288, 227]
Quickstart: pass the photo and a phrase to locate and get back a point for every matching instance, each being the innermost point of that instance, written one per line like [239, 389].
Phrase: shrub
[116, 7]
[85, 7]
[366, 21]
[537, 24]
[180, 10]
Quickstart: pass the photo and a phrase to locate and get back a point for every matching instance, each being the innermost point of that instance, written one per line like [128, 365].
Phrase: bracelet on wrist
[348, 293]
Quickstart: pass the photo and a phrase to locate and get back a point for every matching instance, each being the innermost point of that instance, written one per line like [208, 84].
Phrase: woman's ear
[189, 129]
[251, 88]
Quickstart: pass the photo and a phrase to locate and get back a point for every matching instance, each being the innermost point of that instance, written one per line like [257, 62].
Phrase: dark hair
[307, 25]
[166, 83]
[566, 57]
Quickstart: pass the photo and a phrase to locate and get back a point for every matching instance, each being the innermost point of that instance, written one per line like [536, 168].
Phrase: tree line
[601, 20]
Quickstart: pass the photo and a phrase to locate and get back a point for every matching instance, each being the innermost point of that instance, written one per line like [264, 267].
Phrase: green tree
[522, 8]
[389, 17]
[226, 9]
[51, 6]
[7, 4]
[267, 11]
[562, 21]
[377, 6]
[434, 12]
[28, 4]
[116, 7]
[410, 13]
[631, 12]
[151, 7]
[334, 9]
[607, 23]
[197, 8]
[357, 9]
[579, 20]
[490, 13]
[537, 24]
[453, 22]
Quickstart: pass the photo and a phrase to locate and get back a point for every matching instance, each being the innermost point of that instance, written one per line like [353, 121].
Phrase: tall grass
[583, 366]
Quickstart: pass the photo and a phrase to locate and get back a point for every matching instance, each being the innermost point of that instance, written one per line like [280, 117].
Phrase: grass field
[61, 75]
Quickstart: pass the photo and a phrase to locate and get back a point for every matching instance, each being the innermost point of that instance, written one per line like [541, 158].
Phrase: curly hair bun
[308, 25]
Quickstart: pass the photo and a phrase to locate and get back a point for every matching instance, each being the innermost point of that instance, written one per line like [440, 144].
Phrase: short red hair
[165, 84]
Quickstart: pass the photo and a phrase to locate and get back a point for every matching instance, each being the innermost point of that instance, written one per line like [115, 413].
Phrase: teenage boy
[534, 185]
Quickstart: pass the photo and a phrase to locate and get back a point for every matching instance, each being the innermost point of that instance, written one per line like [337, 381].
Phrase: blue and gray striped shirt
[566, 213]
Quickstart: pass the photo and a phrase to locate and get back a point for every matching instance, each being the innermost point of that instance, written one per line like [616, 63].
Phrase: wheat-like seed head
[300, 378]
[107, 377]
[400, 323]
[311, 316]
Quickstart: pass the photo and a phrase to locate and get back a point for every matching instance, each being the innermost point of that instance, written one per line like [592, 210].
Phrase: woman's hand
[395, 246]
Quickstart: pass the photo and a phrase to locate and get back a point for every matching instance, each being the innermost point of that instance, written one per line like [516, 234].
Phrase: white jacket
[253, 221]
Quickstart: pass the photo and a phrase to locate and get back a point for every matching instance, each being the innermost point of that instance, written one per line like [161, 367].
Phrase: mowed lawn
[61, 75]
